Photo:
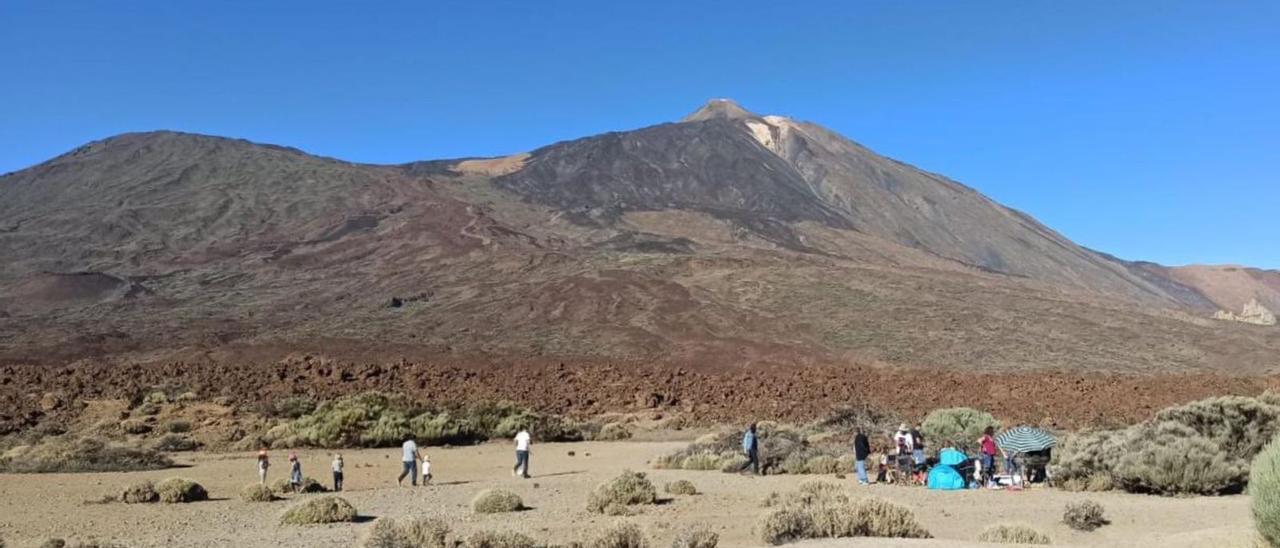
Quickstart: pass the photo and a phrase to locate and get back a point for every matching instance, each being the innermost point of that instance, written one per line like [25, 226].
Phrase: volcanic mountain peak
[720, 109]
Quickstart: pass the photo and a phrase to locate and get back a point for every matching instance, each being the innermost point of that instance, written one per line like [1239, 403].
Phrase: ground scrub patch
[256, 492]
[308, 485]
[629, 488]
[500, 539]
[1264, 489]
[621, 535]
[824, 510]
[697, 537]
[496, 501]
[175, 490]
[783, 450]
[1013, 534]
[1202, 448]
[80, 454]
[327, 509]
[1085, 515]
[377, 420]
[139, 493]
[409, 532]
[681, 487]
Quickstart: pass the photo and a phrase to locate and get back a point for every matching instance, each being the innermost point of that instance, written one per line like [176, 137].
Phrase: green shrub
[255, 492]
[1171, 459]
[822, 510]
[961, 425]
[702, 461]
[141, 492]
[328, 509]
[172, 443]
[495, 501]
[698, 537]
[1240, 426]
[1013, 534]
[157, 398]
[1085, 515]
[1264, 489]
[502, 539]
[410, 532]
[178, 426]
[613, 431]
[175, 490]
[627, 489]
[63, 454]
[622, 535]
[134, 426]
[681, 487]
[293, 407]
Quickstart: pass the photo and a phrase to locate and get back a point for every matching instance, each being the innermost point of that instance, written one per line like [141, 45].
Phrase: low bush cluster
[1085, 515]
[496, 501]
[1201, 448]
[409, 532]
[140, 493]
[1013, 534]
[680, 487]
[84, 454]
[500, 539]
[255, 492]
[1264, 489]
[621, 535]
[629, 488]
[823, 510]
[783, 450]
[962, 426]
[309, 485]
[697, 537]
[176, 490]
[172, 443]
[376, 420]
[328, 509]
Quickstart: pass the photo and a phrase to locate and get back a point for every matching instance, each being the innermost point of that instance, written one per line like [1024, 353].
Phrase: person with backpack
[987, 445]
[861, 450]
[751, 447]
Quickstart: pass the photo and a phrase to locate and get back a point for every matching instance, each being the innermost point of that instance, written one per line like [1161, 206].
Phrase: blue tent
[944, 476]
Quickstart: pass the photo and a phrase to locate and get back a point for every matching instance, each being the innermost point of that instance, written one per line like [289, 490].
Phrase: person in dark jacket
[861, 450]
[751, 447]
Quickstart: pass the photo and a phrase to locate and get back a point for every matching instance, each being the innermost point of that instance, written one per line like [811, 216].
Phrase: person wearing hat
[263, 464]
[902, 439]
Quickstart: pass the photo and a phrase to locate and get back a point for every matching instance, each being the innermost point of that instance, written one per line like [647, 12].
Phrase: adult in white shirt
[522, 454]
[409, 462]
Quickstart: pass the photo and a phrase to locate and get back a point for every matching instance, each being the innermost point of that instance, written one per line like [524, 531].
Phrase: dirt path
[36, 507]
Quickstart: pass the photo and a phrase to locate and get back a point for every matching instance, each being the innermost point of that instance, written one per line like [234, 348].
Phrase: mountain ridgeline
[726, 238]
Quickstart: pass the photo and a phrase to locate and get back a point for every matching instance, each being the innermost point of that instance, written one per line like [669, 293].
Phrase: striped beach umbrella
[1024, 439]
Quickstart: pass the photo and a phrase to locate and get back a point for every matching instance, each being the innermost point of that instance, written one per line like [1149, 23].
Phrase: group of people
[410, 454]
[903, 459]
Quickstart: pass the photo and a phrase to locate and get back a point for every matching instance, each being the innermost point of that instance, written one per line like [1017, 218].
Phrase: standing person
[408, 461]
[295, 472]
[263, 464]
[902, 440]
[861, 450]
[426, 469]
[917, 452]
[987, 444]
[337, 472]
[522, 454]
[751, 447]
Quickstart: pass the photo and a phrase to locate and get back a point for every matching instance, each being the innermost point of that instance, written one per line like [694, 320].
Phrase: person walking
[426, 469]
[295, 472]
[751, 447]
[337, 472]
[408, 461]
[861, 450]
[522, 454]
[263, 464]
[987, 445]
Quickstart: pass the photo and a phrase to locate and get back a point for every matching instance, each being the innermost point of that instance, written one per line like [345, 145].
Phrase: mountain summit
[725, 239]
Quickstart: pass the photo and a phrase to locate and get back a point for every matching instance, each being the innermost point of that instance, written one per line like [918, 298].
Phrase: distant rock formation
[1253, 313]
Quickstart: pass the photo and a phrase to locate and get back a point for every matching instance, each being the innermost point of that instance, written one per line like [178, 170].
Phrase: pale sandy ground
[35, 507]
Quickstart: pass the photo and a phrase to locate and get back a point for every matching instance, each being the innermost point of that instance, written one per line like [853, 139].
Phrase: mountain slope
[727, 240]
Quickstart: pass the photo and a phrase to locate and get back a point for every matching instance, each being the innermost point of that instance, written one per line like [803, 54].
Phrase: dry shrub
[881, 518]
[60, 543]
[961, 425]
[1241, 426]
[1013, 534]
[138, 493]
[733, 463]
[175, 490]
[617, 510]
[62, 454]
[723, 451]
[1264, 489]
[257, 493]
[627, 489]
[787, 525]
[698, 537]
[822, 464]
[621, 535]
[409, 533]
[701, 461]
[681, 487]
[823, 510]
[172, 443]
[501, 539]
[134, 426]
[613, 431]
[496, 501]
[178, 426]
[309, 485]
[1085, 515]
[328, 509]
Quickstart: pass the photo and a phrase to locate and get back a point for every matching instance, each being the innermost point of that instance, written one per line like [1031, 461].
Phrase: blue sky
[1149, 130]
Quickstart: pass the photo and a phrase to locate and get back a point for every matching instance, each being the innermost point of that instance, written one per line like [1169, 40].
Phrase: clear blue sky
[1145, 129]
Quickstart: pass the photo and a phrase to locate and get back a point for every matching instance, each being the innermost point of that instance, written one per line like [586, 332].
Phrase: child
[337, 472]
[263, 465]
[426, 469]
[883, 470]
[295, 472]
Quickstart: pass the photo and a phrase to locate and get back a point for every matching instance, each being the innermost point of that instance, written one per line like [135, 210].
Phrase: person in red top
[987, 443]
